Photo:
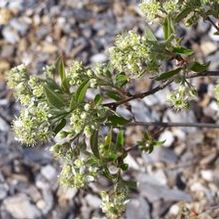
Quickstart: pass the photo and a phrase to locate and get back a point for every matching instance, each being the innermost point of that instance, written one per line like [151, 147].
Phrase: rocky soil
[183, 175]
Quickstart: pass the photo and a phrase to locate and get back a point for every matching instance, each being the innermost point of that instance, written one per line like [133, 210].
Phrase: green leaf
[117, 120]
[60, 68]
[168, 27]
[182, 51]
[198, 67]
[113, 95]
[216, 33]
[149, 34]
[60, 126]
[168, 74]
[121, 79]
[124, 166]
[73, 102]
[81, 91]
[120, 139]
[53, 98]
[94, 143]
[98, 99]
[183, 14]
[52, 85]
[131, 184]
[108, 138]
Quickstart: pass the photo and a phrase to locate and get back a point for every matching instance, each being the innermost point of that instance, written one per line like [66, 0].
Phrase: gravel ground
[182, 172]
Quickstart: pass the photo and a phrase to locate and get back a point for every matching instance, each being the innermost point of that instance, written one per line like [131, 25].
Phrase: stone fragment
[20, 207]
[138, 209]
[49, 172]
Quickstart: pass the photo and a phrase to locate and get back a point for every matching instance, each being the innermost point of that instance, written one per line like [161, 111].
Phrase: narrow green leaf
[182, 51]
[117, 120]
[216, 33]
[121, 79]
[124, 166]
[168, 74]
[108, 138]
[168, 27]
[81, 91]
[149, 34]
[52, 85]
[113, 95]
[60, 68]
[131, 184]
[198, 67]
[120, 139]
[94, 143]
[73, 102]
[60, 126]
[98, 99]
[183, 14]
[53, 98]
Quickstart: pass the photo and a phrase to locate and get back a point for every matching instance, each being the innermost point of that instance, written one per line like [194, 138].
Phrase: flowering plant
[91, 131]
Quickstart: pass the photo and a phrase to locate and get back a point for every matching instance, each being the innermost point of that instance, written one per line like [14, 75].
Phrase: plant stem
[113, 105]
[140, 95]
[212, 22]
[175, 124]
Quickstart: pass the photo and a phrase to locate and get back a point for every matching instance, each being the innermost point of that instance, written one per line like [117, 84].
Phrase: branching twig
[158, 88]
[175, 124]
[139, 96]
[212, 22]
[204, 74]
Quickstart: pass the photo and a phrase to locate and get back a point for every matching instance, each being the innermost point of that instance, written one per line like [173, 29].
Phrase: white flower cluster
[114, 205]
[156, 9]
[33, 124]
[78, 174]
[130, 53]
[77, 73]
[179, 98]
[86, 118]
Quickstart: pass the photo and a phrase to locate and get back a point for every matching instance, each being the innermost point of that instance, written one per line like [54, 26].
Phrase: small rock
[4, 125]
[155, 192]
[174, 210]
[198, 187]
[161, 155]
[47, 203]
[5, 15]
[49, 172]
[7, 51]
[98, 58]
[20, 25]
[131, 162]
[207, 175]
[10, 35]
[3, 191]
[4, 65]
[167, 137]
[212, 35]
[138, 209]
[66, 195]
[208, 47]
[93, 201]
[20, 207]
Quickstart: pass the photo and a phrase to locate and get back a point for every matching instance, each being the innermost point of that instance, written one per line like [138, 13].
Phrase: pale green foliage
[150, 8]
[129, 53]
[32, 125]
[90, 133]
[76, 73]
[114, 205]
[179, 98]
[78, 174]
